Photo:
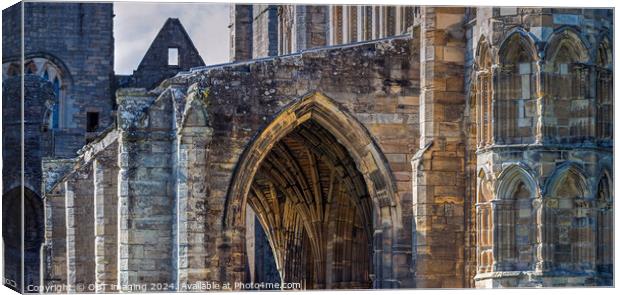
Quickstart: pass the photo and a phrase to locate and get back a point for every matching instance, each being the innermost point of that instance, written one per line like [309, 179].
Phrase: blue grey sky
[136, 25]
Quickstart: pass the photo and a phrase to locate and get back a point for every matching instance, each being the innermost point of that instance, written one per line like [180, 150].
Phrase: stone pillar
[146, 191]
[439, 165]
[106, 220]
[265, 30]
[54, 259]
[539, 136]
[544, 236]
[80, 230]
[54, 250]
[241, 32]
[311, 26]
[195, 245]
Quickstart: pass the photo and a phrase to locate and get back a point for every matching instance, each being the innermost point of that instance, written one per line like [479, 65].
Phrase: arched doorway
[322, 192]
[12, 237]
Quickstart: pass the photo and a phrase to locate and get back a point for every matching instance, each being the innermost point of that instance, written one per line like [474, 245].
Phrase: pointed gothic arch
[604, 90]
[515, 215]
[605, 227]
[517, 44]
[484, 93]
[515, 86]
[566, 45]
[374, 178]
[484, 223]
[567, 233]
[568, 108]
[14, 241]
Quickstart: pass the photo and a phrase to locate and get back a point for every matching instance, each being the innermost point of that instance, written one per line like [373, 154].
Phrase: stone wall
[146, 190]
[198, 168]
[533, 131]
[38, 99]
[283, 29]
[80, 224]
[264, 31]
[105, 178]
[54, 251]
[78, 40]
[241, 17]
[310, 26]
[439, 173]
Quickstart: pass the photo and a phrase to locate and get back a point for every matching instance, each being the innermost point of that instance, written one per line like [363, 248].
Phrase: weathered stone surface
[449, 157]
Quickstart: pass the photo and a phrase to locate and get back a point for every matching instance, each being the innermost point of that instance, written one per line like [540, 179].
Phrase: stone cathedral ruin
[342, 147]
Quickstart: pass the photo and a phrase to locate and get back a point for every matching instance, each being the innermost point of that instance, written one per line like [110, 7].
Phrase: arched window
[516, 91]
[567, 223]
[30, 68]
[484, 94]
[285, 28]
[48, 70]
[515, 221]
[604, 228]
[568, 108]
[524, 229]
[56, 110]
[604, 92]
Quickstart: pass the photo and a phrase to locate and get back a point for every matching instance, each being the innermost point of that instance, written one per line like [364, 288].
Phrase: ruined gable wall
[154, 66]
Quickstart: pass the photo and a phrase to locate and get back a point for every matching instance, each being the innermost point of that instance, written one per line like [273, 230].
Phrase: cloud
[136, 25]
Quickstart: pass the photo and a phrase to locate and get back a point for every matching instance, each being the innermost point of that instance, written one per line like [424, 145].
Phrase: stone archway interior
[315, 210]
[32, 238]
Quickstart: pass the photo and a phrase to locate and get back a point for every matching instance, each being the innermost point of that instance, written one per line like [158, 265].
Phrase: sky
[137, 24]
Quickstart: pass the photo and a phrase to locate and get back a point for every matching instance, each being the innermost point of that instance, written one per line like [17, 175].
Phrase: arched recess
[484, 223]
[605, 226]
[515, 88]
[484, 93]
[32, 236]
[567, 232]
[569, 111]
[516, 221]
[193, 207]
[604, 90]
[366, 173]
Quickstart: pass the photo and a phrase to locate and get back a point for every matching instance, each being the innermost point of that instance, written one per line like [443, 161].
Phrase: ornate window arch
[484, 94]
[568, 237]
[484, 224]
[604, 226]
[604, 91]
[57, 76]
[566, 82]
[515, 219]
[516, 90]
